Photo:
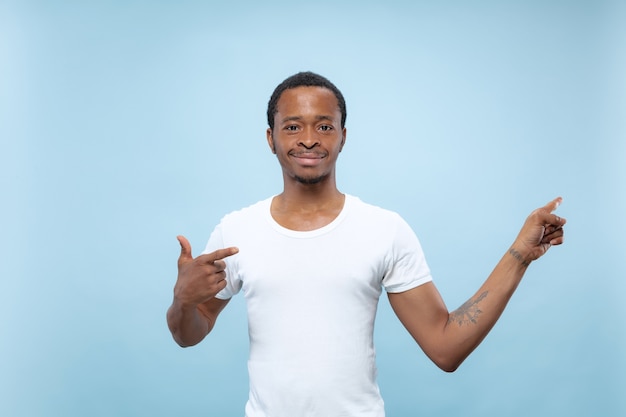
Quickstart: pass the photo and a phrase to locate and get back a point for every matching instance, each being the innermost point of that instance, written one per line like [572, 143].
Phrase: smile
[308, 158]
[308, 155]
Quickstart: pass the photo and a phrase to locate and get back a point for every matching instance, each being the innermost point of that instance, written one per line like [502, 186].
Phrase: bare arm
[189, 324]
[195, 308]
[448, 338]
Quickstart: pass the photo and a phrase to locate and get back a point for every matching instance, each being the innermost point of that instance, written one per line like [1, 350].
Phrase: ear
[344, 131]
[270, 140]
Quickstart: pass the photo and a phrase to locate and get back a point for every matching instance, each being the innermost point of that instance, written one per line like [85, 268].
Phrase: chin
[309, 180]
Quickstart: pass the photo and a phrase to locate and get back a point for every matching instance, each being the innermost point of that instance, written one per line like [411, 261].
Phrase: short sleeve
[233, 284]
[407, 267]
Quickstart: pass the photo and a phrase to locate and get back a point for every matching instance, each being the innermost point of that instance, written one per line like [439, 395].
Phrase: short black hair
[304, 79]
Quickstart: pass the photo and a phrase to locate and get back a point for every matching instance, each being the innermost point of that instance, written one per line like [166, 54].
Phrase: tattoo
[518, 256]
[468, 312]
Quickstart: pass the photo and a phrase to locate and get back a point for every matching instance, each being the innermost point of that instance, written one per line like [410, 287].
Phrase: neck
[300, 196]
[307, 207]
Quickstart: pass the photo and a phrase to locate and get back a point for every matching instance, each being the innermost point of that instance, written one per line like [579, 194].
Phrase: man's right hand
[201, 278]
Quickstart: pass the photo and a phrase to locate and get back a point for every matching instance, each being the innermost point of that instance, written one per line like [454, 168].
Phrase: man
[312, 263]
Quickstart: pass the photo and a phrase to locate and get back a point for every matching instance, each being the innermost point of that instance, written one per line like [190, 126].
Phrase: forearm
[468, 325]
[187, 324]
[448, 338]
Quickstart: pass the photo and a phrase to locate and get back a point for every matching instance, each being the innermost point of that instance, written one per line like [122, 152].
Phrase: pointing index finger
[552, 218]
[554, 204]
[220, 254]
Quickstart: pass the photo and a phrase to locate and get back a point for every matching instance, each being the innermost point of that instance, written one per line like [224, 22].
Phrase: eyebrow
[298, 118]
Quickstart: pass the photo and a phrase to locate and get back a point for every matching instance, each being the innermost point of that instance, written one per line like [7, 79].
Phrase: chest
[281, 266]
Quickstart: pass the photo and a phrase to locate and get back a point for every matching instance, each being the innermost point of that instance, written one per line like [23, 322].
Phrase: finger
[545, 215]
[222, 284]
[554, 239]
[221, 276]
[550, 229]
[219, 254]
[555, 222]
[552, 235]
[185, 249]
[554, 204]
[557, 240]
[219, 265]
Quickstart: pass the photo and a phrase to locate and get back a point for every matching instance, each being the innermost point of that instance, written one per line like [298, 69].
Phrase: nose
[309, 139]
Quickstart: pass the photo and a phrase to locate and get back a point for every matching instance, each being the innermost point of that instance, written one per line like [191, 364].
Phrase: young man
[312, 263]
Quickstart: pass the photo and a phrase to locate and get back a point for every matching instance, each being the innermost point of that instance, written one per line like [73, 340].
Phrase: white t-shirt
[311, 299]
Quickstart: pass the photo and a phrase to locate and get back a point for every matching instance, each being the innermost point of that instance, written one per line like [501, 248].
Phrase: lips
[308, 158]
[308, 155]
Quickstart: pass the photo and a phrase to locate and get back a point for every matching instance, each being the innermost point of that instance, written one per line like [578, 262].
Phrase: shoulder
[252, 212]
[239, 224]
[360, 208]
[380, 221]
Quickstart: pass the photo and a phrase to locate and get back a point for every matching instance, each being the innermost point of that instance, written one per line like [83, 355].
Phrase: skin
[307, 139]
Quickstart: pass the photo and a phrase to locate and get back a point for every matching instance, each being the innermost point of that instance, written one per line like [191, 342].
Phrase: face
[307, 135]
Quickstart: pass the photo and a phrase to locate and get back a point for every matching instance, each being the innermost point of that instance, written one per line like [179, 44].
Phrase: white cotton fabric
[311, 299]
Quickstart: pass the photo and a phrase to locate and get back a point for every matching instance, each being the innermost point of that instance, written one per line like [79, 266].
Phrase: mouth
[308, 158]
[308, 155]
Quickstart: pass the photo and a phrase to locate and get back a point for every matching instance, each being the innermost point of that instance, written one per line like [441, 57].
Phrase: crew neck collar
[308, 233]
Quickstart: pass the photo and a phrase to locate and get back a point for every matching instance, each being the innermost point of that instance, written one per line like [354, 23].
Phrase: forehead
[305, 100]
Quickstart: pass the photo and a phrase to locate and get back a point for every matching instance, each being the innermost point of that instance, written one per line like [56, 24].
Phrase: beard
[310, 180]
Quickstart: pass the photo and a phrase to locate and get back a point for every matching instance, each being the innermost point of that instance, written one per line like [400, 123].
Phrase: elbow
[180, 338]
[180, 342]
[447, 363]
[181, 332]
[447, 357]
[184, 341]
[448, 367]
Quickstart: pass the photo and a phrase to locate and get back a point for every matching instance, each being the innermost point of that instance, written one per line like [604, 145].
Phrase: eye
[326, 128]
[291, 128]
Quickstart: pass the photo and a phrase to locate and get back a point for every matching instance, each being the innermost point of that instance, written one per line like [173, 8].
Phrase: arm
[194, 309]
[448, 338]
[190, 324]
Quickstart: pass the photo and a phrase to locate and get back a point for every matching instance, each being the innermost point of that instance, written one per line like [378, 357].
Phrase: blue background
[125, 123]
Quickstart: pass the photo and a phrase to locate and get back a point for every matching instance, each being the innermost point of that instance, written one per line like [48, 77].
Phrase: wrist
[183, 304]
[519, 256]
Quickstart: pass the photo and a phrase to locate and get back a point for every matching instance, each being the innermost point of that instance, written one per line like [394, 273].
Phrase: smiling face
[307, 135]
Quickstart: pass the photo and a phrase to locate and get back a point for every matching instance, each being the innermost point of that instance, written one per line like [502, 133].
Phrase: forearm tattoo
[468, 312]
[519, 257]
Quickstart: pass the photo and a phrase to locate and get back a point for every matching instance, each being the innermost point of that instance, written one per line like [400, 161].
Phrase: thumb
[185, 249]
